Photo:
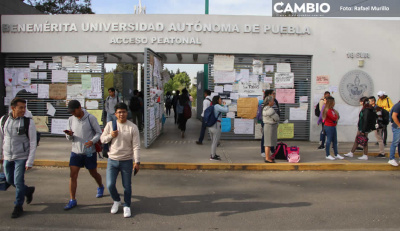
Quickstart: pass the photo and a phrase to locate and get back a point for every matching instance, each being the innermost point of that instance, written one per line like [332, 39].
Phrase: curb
[244, 167]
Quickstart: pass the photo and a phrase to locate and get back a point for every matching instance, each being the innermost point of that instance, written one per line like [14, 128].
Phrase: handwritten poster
[58, 91]
[322, 79]
[224, 76]
[43, 91]
[74, 91]
[297, 113]
[59, 76]
[224, 62]
[243, 126]
[41, 123]
[58, 126]
[247, 108]
[219, 89]
[286, 131]
[285, 95]
[96, 84]
[251, 88]
[92, 104]
[283, 67]
[86, 82]
[10, 76]
[226, 125]
[98, 114]
[257, 67]
[228, 87]
[67, 61]
[284, 80]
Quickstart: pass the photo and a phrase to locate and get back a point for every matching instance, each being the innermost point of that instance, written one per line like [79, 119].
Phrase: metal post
[205, 82]
[139, 77]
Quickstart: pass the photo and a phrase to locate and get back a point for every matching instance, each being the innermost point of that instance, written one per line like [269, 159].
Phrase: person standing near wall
[183, 102]
[215, 130]
[135, 105]
[174, 104]
[168, 103]
[366, 123]
[395, 119]
[321, 105]
[277, 110]
[206, 103]
[84, 131]
[271, 121]
[111, 101]
[379, 127]
[124, 151]
[331, 117]
[386, 103]
[17, 152]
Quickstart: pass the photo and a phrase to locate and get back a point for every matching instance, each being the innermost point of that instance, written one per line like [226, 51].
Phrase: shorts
[81, 160]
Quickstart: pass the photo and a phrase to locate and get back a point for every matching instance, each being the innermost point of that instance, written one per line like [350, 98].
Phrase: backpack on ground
[209, 116]
[134, 104]
[317, 111]
[293, 154]
[168, 102]
[280, 152]
[187, 111]
[27, 122]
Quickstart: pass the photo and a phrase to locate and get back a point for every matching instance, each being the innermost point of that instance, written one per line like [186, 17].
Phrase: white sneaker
[350, 154]
[115, 207]
[363, 157]
[330, 158]
[393, 162]
[339, 157]
[127, 212]
[263, 154]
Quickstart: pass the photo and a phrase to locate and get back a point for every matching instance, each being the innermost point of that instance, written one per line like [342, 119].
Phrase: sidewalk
[170, 151]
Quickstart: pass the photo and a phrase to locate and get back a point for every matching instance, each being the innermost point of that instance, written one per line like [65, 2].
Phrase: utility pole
[206, 65]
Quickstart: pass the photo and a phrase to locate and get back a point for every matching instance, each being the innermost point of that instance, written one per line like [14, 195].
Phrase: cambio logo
[280, 7]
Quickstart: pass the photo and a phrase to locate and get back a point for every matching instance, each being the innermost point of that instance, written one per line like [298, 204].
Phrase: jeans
[331, 135]
[202, 131]
[15, 172]
[395, 142]
[215, 133]
[111, 117]
[113, 168]
[322, 135]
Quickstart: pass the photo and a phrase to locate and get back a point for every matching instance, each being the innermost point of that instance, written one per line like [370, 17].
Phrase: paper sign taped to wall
[286, 131]
[58, 91]
[98, 114]
[251, 88]
[284, 80]
[243, 126]
[283, 67]
[322, 79]
[285, 95]
[41, 123]
[224, 76]
[226, 125]
[58, 126]
[247, 108]
[224, 62]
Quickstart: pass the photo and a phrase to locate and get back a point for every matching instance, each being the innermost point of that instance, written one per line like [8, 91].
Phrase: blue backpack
[209, 116]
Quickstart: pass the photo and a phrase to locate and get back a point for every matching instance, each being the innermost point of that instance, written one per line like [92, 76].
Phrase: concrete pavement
[170, 151]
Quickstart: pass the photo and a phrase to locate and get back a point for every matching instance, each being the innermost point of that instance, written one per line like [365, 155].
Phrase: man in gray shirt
[111, 101]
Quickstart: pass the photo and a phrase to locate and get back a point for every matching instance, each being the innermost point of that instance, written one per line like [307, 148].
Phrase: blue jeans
[203, 130]
[113, 168]
[322, 135]
[331, 135]
[15, 172]
[395, 142]
[111, 117]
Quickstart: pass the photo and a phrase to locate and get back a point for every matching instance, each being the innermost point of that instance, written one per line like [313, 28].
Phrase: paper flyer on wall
[257, 67]
[92, 104]
[224, 62]
[67, 61]
[243, 126]
[284, 80]
[58, 126]
[224, 76]
[83, 59]
[269, 68]
[59, 76]
[43, 91]
[297, 113]
[41, 123]
[285, 95]
[50, 109]
[283, 67]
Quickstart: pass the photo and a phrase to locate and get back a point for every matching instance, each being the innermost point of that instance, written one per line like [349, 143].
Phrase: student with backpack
[383, 120]
[168, 103]
[386, 103]
[184, 110]
[110, 103]
[271, 121]
[366, 124]
[174, 104]
[17, 152]
[206, 103]
[214, 124]
[135, 105]
[331, 117]
[395, 119]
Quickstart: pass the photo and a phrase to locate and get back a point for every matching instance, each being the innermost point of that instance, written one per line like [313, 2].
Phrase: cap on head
[381, 93]
[72, 105]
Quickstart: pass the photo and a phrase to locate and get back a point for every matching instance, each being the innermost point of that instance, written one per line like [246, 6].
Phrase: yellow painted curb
[246, 167]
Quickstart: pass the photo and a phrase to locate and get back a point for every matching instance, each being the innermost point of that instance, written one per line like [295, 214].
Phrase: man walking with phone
[123, 156]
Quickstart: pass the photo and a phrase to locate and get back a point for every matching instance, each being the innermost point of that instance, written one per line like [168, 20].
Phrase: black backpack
[168, 101]
[280, 152]
[370, 120]
[385, 117]
[27, 122]
[134, 105]
[317, 111]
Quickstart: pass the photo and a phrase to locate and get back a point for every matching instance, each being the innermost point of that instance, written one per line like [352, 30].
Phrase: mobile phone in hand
[135, 172]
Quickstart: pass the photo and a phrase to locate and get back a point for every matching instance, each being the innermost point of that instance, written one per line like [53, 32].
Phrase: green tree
[178, 82]
[62, 6]
[193, 93]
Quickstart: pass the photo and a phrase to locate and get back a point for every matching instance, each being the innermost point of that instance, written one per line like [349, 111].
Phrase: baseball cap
[380, 93]
[72, 105]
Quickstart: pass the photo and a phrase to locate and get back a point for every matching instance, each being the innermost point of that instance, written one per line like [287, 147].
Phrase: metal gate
[300, 66]
[153, 97]
[38, 106]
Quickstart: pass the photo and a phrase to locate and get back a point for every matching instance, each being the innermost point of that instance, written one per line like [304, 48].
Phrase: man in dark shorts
[84, 131]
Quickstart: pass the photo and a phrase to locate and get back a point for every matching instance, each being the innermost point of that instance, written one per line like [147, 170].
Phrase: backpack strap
[3, 121]
[27, 122]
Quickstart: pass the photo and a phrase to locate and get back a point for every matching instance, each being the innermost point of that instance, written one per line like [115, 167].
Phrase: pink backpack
[293, 154]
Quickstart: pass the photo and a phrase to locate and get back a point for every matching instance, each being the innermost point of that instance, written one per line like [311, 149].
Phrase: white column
[139, 77]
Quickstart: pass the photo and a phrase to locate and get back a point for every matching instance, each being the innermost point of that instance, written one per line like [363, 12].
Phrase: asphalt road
[215, 200]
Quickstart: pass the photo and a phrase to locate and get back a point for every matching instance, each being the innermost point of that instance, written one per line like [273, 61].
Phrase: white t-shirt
[206, 104]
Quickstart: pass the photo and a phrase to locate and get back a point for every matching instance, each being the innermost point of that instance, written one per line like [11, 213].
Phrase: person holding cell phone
[84, 131]
[123, 156]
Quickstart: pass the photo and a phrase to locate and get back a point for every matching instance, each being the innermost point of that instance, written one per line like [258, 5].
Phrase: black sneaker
[29, 194]
[381, 156]
[17, 211]
[217, 158]
[199, 143]
[321, 147]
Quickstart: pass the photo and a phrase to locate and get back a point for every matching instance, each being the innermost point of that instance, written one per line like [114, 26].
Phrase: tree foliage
[62, 6]
[178, 82]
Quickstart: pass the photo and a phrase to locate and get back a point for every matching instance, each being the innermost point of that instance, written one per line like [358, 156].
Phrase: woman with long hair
[271, 120]
[363, 127]
[330, 117]
[183, 100]
[215, 130]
